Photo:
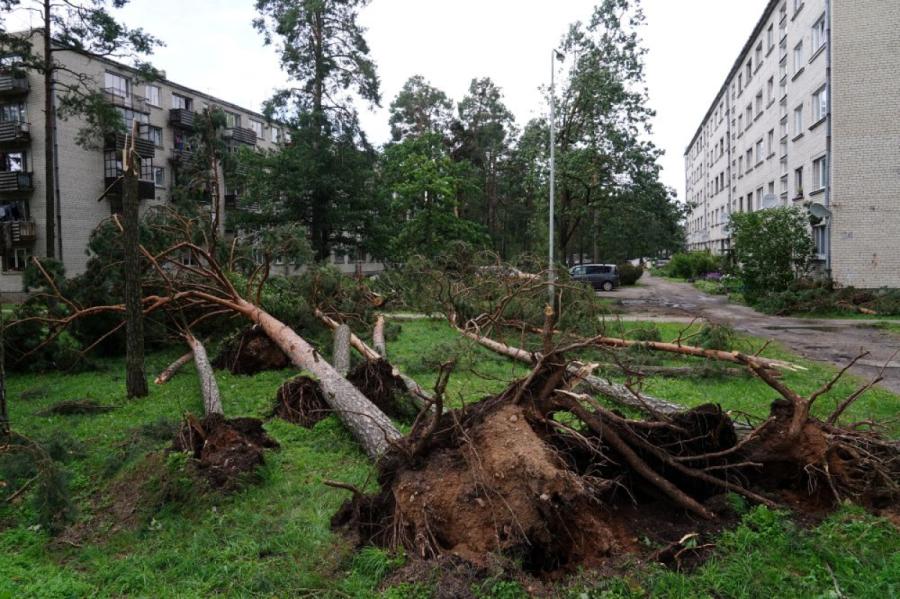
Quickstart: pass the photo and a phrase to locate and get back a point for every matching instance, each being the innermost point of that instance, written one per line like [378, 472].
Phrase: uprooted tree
[531, 471]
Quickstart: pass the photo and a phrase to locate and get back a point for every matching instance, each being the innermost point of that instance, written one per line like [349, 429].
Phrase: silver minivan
[600, 276]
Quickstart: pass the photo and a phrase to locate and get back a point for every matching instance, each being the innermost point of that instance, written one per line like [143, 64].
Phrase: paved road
[834, 341]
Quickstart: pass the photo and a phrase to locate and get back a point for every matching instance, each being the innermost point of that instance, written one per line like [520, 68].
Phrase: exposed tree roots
[251, 352]
[541, 475]
[301, 402]
[376, 380]
[227, 452]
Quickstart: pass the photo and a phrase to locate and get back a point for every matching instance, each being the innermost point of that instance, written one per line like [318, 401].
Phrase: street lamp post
[551, 275]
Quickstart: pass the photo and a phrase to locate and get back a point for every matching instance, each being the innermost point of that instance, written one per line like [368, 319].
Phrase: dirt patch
[251, 352]
[376, 380]
[227, 452]
[301, 402]
[76, 407]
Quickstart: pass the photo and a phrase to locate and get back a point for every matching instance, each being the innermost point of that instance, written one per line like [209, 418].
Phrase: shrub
[629, 274]
[647, 333]
[716, 336]
[773, 248]
[692, 265]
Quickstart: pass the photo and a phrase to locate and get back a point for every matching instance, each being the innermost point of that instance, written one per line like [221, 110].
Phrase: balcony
[13, 84]
[14, 132]
[181, 118]
[16, 182]
[146, 190]
[116, 141]
[21, 232]
[181, 155]
[130, 101]
[241, 135]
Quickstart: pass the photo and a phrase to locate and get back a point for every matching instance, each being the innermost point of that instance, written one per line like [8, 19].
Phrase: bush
[649, 332]
[717, 336]
[820, 297]
[629, 274]
[773, 248]
[692, 265]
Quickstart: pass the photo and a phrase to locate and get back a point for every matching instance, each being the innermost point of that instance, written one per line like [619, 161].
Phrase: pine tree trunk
[135, 377]
[166, 375]
[212, 401]
[370, 426]
[378, 337]
[341, 356]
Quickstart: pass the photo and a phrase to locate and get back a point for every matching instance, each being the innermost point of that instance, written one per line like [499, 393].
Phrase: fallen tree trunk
[378, 337]
[369, 425]
[679, 371]
[341, 354]
[419, 396]
[618, 393]
[166, 375]
[212, 401]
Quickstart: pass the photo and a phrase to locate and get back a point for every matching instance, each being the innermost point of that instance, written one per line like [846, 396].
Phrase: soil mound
[302, 402]
[227, 451]
[76, 407]
[251, 352]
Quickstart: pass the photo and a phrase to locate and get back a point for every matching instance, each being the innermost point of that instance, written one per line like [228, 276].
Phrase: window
[818, 34]
[798, 58]
[759, 103]
[129, 116]
[820, 238]
[749, 70]
[159, 176]
[155, 134]
[740, 122]
[798, 4]
[749, 114]
[820, 173]
[18, 260]
[275, 133]
[772, 188]
[798, 120]
[740, 82]
[759, 151]
[750, 202]
[232, 120]
[13, 162]
[257, 128]
[118, 85]
[152, 92]
[13, 113]
[770, 90]
[820, 104]
[112, 164]
[798, 182]
[770, 143]
[759, 198]
[770, 36]
[759, 55]
[749, 160]
[182, 102]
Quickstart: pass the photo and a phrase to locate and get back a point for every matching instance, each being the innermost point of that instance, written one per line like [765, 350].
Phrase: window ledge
[769, 51]
[757, 117]
[798, 73]
[770, 156]
[759, 164]
[797, 137]
[817, 192]
[817, 52]
[771, 102]
[797, 12]
[817, 123]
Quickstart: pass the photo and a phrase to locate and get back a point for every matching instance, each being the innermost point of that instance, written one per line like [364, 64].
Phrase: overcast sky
[211, 46]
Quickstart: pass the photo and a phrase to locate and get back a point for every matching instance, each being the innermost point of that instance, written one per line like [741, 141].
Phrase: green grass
[274, 538]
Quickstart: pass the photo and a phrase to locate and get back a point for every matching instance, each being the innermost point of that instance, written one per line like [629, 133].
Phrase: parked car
[600, 276]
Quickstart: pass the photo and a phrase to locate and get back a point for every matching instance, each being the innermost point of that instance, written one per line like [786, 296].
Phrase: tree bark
[49, 127]
[166, 375]
[212, 401]
[369, 425]
[618, 393]
[341, 356]
[378, 337]
[135, 376]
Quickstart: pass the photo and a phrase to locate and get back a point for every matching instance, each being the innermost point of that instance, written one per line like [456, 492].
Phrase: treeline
[459, 170]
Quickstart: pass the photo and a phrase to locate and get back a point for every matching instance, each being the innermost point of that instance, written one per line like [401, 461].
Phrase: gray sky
[211, 46]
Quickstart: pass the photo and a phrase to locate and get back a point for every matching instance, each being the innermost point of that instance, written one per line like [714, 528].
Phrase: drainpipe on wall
[828, 152]
[59, 250]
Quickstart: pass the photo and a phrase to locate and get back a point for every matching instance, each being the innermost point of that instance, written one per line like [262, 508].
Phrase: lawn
[274, 538]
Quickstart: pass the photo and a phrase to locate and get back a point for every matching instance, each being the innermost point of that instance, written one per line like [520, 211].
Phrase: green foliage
[419, 109]
[649, 332]
[502, 589]
[773, 248]
[822, 298]
[691, 265]
[629, 274]
[717, 336]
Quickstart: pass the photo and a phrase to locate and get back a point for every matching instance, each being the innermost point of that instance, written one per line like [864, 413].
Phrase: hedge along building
[165, 111]
[807, 118]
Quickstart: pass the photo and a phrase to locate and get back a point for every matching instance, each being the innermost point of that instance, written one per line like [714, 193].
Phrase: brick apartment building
[165, 111]
[808, 117]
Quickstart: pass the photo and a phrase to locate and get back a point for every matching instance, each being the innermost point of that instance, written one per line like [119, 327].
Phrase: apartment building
[165, 112]
[806, 118]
